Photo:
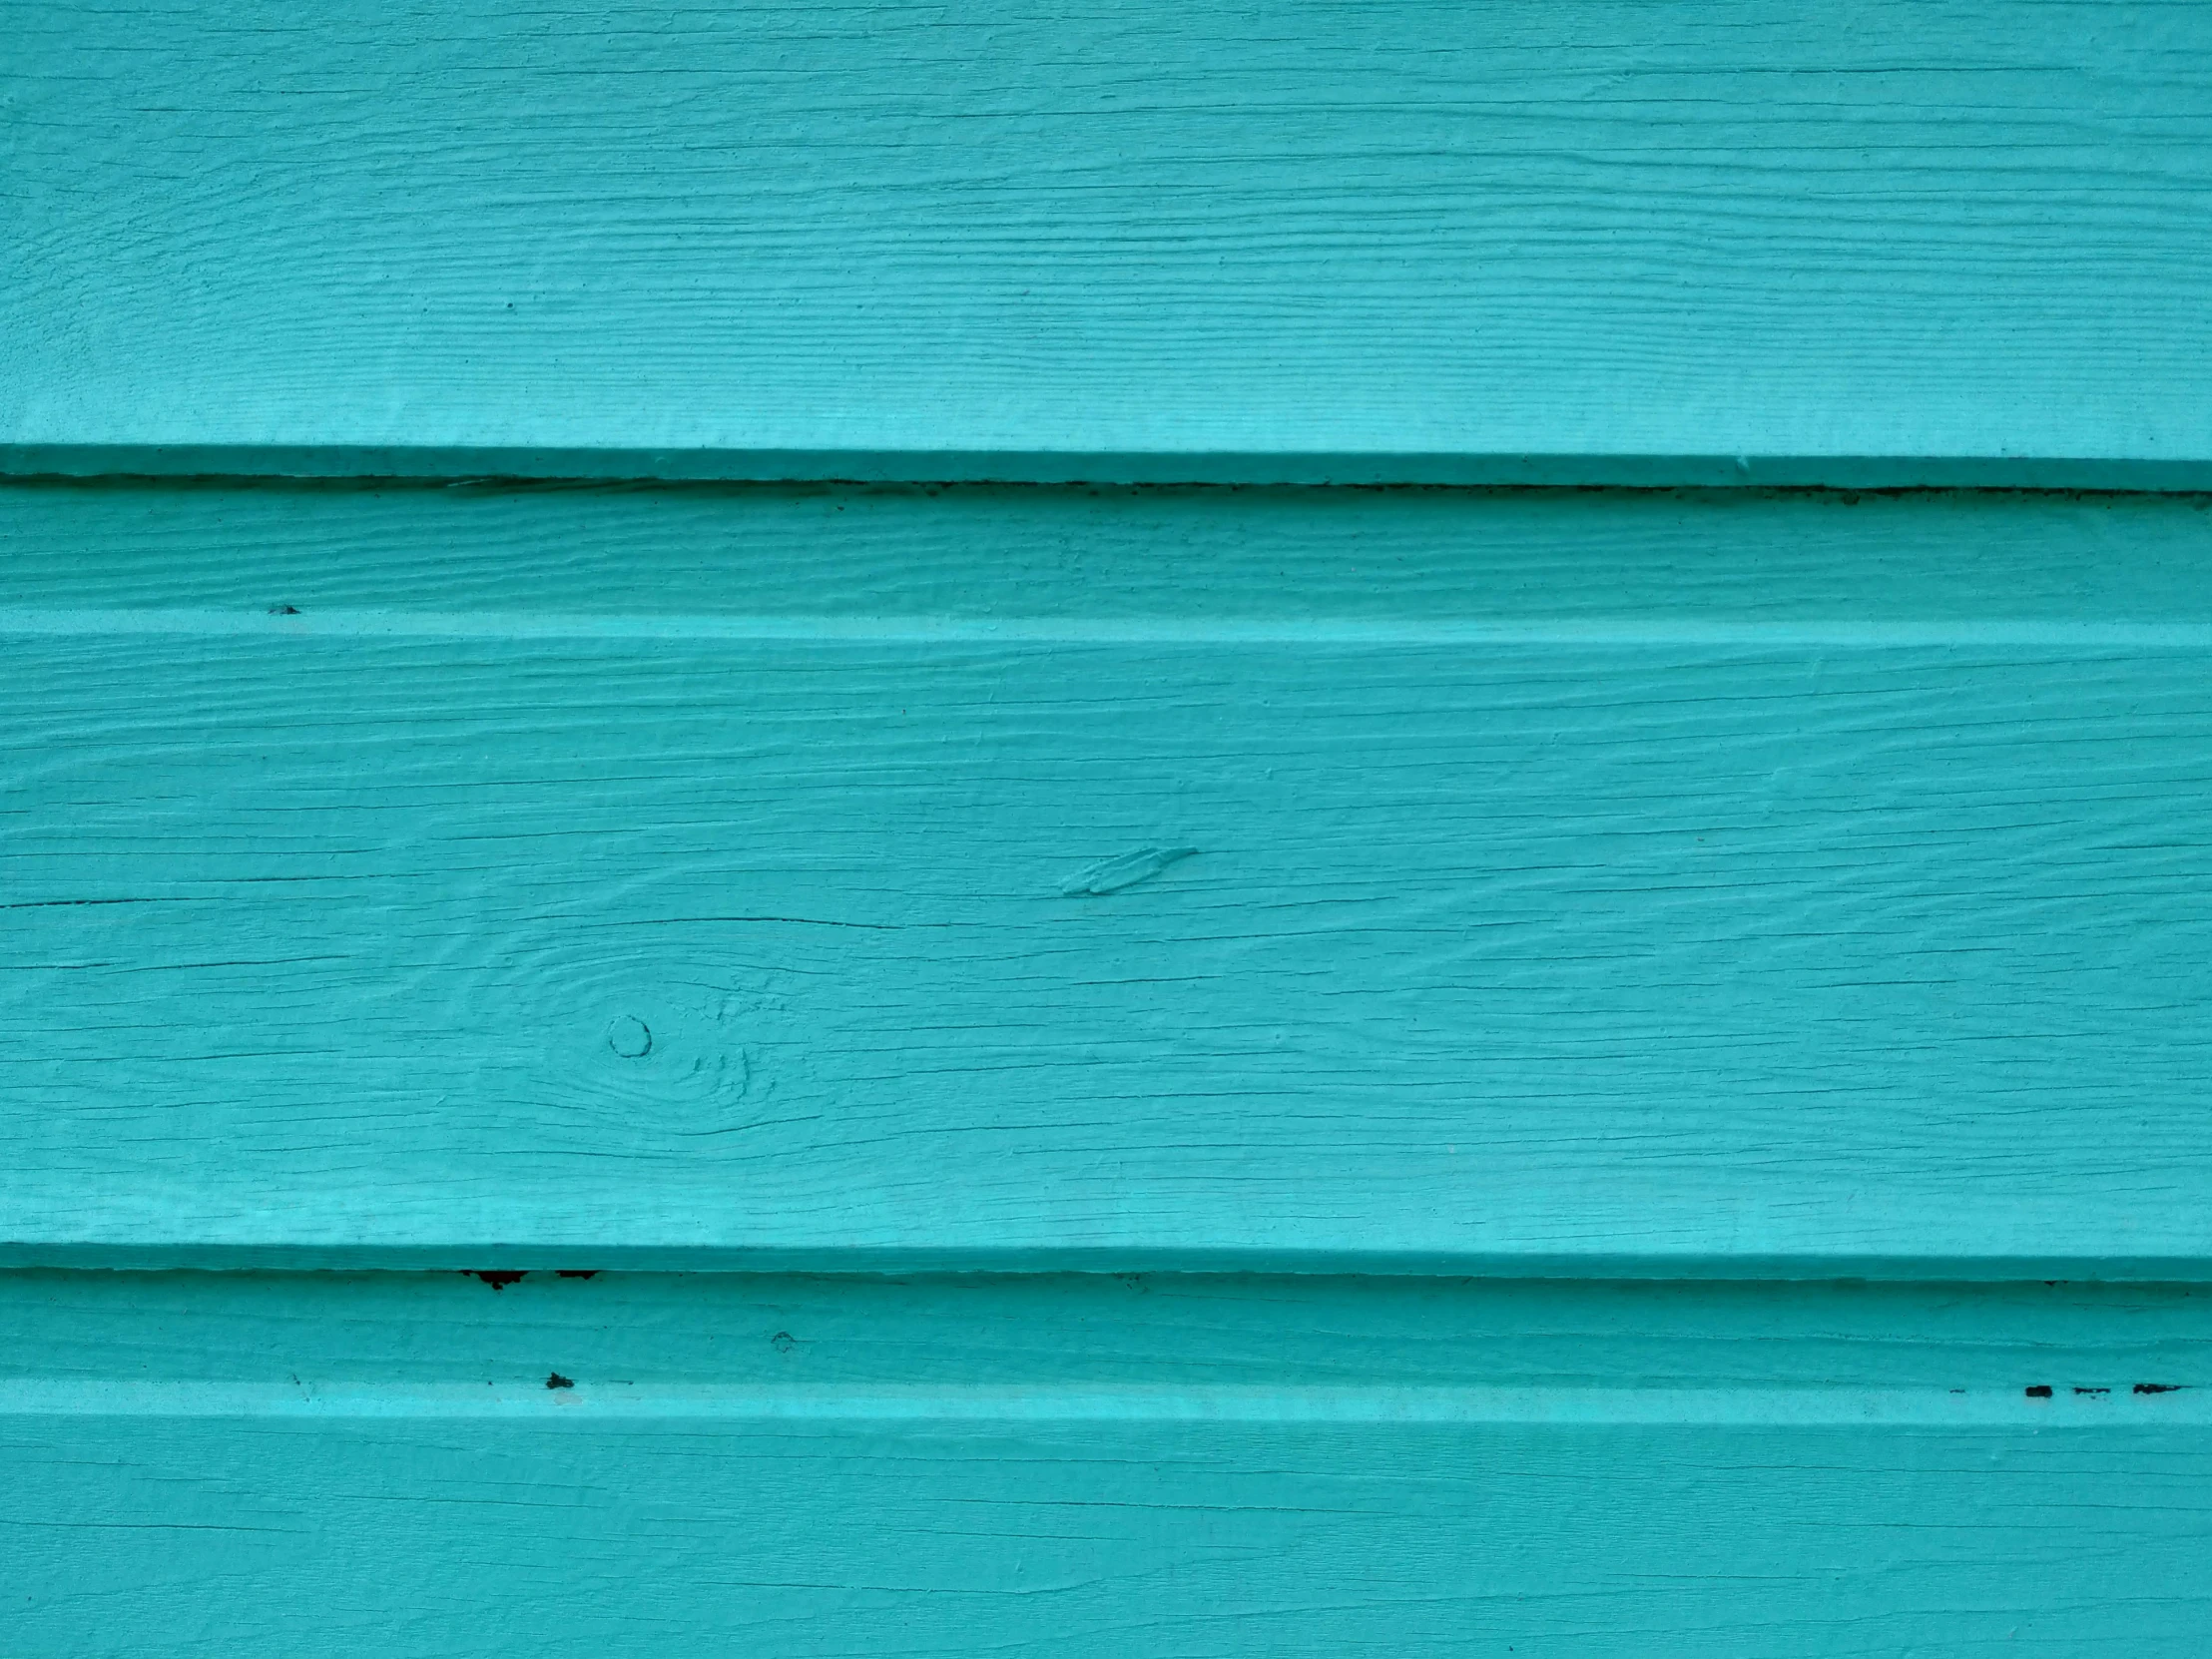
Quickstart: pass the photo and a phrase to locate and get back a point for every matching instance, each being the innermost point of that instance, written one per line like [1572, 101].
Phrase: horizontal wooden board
[1142, 239]
[199, 1463]
[1267, 557]
[1709, 1346]
[549, 1533]
[1316, 923]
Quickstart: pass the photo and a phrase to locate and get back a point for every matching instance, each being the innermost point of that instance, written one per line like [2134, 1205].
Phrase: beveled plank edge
[1163, 467]
[897, 1261]
[2132, 638]
[888, 1406]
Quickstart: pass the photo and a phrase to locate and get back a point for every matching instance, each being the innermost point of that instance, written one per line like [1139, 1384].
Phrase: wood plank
[1681, 1342]
[1578, 243]
[827, 1465]
[1650, 944]
[425, 1535]
[1198, 556]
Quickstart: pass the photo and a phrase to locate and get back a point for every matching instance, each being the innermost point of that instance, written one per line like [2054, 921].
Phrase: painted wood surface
[1191, 240]
[1270, 557]
[1565, 883]
[198, 1463]
[1540, 943]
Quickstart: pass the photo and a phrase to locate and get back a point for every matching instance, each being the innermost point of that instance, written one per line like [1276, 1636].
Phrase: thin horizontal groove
[958, 630]
[895, 1261]
[581, 1400]
[964, 466]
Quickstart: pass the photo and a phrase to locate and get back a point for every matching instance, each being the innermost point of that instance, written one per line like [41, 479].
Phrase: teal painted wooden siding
[1575, 882]
[1326, 241]
[1092, 1465]
[752, 898]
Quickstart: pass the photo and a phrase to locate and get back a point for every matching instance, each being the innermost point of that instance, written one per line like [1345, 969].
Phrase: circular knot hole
[630, 1037]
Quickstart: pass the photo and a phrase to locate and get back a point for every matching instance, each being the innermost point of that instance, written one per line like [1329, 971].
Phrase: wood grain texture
[199, 1463]
[1567, 936]
[1267, 557]
[1332, 242]
[425, 1536]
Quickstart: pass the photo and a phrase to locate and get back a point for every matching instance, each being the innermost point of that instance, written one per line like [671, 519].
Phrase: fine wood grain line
[1174, 237]
[289, 623]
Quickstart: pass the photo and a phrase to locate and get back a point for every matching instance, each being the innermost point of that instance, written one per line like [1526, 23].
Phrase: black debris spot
[2080, 1390]
[2159, 1387]
[782, 1342]
[577, 1273]
[2038, 1391]
[283, 610]
[554, 1380]
[497, 1278]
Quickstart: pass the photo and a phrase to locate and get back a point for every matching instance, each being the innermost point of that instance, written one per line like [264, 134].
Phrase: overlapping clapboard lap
[1076, 1466]
[1855, 937]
